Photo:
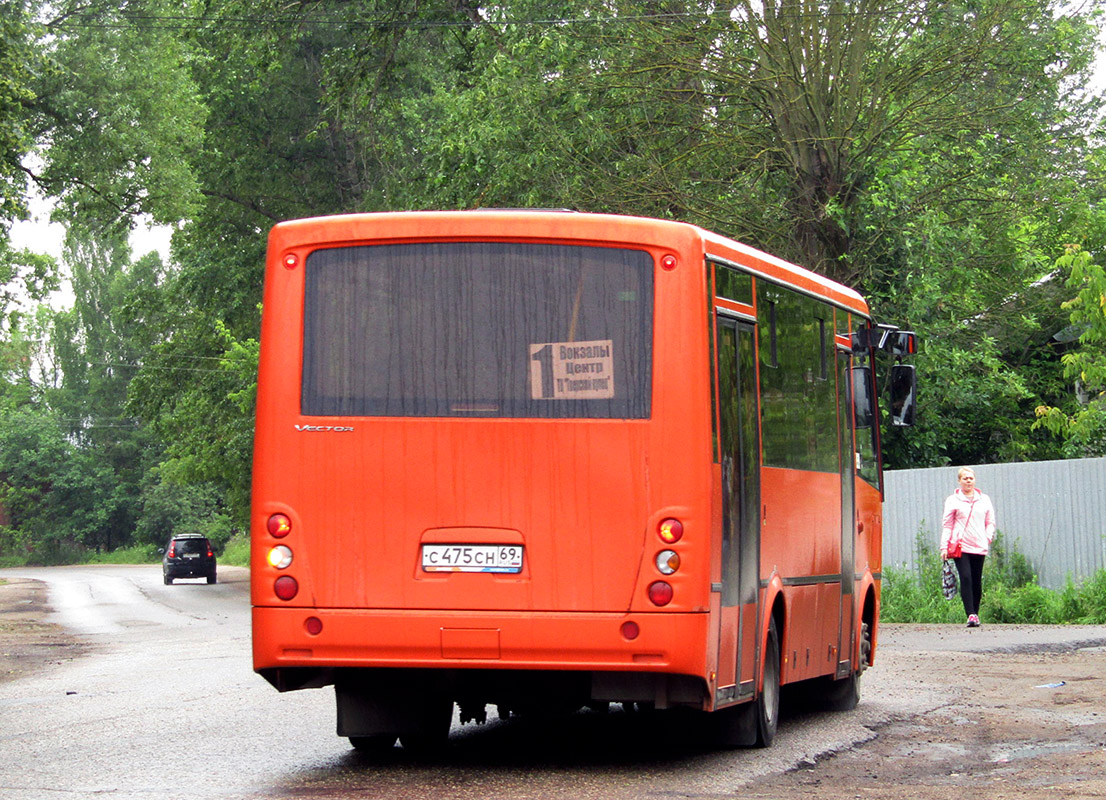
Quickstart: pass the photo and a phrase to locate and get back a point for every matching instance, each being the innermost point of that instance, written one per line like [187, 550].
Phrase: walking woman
[966, 534]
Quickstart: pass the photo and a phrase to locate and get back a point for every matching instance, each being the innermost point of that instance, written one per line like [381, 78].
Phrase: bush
[1029, 604]
[1011, 593]
[1086, 604]
[1009, 566]
[907, 596]
[237, 551]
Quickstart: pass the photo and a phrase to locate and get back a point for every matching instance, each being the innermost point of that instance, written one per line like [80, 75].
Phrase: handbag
[948, 580]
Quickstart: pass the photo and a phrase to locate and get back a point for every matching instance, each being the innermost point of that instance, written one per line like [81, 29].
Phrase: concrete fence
[1052, 512]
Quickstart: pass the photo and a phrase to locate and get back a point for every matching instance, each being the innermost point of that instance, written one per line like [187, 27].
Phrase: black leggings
[970, 567]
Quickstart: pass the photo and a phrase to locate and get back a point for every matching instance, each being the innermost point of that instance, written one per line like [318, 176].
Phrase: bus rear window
[471, 329]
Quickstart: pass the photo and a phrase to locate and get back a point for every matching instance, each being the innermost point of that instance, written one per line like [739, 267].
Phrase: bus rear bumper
[348, 638]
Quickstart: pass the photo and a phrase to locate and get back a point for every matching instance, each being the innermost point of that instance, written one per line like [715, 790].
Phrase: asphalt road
[165, 705]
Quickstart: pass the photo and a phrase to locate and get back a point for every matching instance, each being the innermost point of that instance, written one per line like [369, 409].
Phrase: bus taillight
[660, 593]
[670, 531]
[668, 561]
[279, 526]
[280, 557]
[285, 587]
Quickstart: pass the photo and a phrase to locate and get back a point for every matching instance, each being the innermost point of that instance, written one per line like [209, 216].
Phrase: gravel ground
[27, 643]
[1022, 715]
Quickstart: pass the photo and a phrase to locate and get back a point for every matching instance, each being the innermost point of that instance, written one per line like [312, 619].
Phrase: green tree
[24, 276]
[97, 346]
[934, 154]
[1084, 430]
[58, 498]
[120, 112]
[18, 64]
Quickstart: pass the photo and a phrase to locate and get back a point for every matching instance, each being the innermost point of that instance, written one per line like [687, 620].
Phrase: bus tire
[768, 703]
[844, 695]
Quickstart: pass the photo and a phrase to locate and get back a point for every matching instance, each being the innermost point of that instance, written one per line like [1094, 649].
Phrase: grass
[237, 552]
[137, 554]
[1011, 593]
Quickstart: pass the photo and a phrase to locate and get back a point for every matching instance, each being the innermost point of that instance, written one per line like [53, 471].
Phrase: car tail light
[172, 550]
[286, 587]
[210, 552]
[313, 626]
[660, 593]
[670, 531]
[630, 630]
[279, 526]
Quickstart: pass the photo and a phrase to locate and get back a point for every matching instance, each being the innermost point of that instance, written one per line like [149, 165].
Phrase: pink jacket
[968, 521]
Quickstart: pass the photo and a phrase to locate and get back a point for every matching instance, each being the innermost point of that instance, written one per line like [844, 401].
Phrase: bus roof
[523, 224]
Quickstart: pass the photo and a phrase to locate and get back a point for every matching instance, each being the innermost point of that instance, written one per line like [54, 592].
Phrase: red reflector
[279, 526]
[660, 593]
[630, 630]
[286, 587]
[313, 625]
[670, 531]
[669, 262]
[291, 261]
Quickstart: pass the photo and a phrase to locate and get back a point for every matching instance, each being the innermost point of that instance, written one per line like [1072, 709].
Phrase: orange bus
[539, 458]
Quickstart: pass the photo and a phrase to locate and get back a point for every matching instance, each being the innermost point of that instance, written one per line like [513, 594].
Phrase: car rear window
[191, 546]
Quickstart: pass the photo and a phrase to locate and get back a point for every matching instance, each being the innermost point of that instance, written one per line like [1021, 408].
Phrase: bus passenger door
[740, 451]
[849, 531]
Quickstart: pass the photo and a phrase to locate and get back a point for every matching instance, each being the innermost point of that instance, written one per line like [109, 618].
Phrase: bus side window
[865, 420]
[861, 378]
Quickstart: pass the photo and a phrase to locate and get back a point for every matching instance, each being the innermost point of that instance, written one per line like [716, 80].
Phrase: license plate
[472, 558]
[191, 555]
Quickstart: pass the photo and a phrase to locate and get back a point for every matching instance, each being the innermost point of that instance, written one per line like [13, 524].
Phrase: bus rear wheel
[753, 723]
[768, 704]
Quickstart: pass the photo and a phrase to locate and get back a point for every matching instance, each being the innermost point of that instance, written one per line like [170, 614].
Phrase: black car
[189, 555]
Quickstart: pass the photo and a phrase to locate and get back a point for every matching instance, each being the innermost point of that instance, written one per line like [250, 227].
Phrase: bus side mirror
[886, 338]
[902, 343]
[904, 395]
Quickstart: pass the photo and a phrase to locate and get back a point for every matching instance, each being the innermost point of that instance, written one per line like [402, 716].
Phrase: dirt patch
[27, 643]
[1022, 725]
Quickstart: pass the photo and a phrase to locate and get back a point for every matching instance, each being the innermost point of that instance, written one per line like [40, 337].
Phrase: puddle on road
[1038, 750]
